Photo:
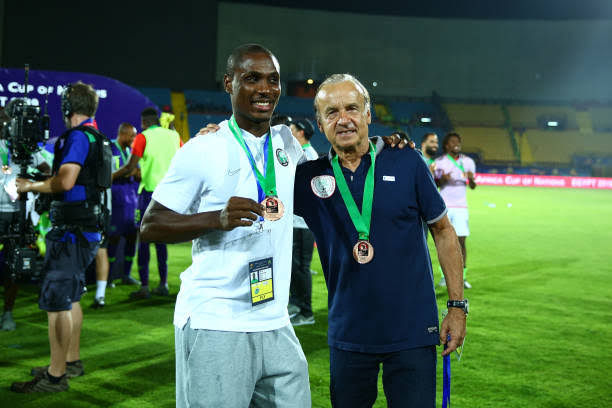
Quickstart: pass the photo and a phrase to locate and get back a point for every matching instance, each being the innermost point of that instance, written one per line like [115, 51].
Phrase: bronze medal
[273, 208]
[363, 251]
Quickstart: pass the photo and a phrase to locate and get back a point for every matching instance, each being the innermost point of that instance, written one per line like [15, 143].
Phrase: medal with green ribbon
[459, 165]
[5, 156]
[266, 183]
[363, 251]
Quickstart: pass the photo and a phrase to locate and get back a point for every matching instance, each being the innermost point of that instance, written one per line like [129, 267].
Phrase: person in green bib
[153, 150]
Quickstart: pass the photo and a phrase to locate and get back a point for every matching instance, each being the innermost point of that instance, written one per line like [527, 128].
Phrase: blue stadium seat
[159, 96]
[198, 121]
[207, 101]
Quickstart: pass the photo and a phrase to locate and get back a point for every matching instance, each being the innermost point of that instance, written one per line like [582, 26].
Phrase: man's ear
[227, 83]
[369, 117]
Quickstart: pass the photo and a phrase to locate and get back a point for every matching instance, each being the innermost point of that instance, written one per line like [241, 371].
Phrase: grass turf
[538, 332]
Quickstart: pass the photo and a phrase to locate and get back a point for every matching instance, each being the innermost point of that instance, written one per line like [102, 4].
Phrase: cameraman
[79, 165]
[9, 215]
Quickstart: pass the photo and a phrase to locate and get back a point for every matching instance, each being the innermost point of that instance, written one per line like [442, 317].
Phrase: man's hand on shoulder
[210, 128]
[239, 212]
[399, 139]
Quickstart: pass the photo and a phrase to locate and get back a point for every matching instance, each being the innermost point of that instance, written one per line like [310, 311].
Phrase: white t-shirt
[454, 191]
[309, 154]
[215, 289]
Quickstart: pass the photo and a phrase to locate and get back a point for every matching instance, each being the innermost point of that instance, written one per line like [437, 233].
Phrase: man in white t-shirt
[453, 172]
[232, 194]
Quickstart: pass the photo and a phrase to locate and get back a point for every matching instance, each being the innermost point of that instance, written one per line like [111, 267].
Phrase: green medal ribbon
[266, 182]
[123, 156]
[306, 146]
[429, 161]
[4, 155]
[361, 221]
[459, 166]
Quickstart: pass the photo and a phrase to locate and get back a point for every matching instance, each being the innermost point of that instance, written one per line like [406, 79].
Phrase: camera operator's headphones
[66, 105]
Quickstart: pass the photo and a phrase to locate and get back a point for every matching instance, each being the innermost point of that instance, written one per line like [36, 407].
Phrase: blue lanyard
[260, 193]
[446, 378]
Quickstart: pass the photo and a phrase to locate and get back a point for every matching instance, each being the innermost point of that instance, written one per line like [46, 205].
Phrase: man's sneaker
[466, 284]
[142, 293]
[293, 309]
[8, 324]
[75, 369]
[128, 280]
[98, 303]
[161, 290]
[40, 383]
[442, 282]
[301, 320]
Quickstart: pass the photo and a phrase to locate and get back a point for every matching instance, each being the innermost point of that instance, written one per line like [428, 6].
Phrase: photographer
[81, 172]
[9, 216]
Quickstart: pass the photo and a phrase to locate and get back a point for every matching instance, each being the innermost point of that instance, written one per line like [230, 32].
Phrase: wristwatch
[461, 304]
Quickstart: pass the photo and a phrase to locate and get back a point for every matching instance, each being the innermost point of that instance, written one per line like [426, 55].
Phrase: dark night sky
[474, 9]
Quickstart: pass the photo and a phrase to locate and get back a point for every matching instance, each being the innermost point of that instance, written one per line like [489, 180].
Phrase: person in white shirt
[232, 194]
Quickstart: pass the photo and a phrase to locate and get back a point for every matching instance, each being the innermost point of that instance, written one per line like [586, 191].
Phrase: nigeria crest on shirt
[281, 156]
[323, 186]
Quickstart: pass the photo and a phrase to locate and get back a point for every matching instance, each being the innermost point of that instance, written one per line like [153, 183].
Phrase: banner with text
[543, 181]
[118, 102]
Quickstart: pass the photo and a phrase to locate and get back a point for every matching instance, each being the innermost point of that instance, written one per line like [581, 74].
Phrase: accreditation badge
[261, 278]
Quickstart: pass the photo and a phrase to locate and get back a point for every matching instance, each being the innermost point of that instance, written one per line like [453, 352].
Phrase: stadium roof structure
[468, 9]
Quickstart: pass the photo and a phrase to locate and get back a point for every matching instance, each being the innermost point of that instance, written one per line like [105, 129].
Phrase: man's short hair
[427, 136]
[124, 127]
[149, 116]
[83, 99]
[306, 126]
[281, 120]
[337, 78]
[447, 138]
[237, 55]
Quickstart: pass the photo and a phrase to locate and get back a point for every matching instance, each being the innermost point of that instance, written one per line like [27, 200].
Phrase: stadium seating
[207, 101]
[406, 111]
[526, 116]
[601, 118]
[463, 114]
[492, 144]
[159, 96]
[549, 146]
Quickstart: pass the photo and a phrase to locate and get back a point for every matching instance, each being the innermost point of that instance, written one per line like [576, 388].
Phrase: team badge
[323, 186]
[281, 156]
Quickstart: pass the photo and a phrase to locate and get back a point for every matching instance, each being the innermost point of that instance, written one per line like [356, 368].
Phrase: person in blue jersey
[81, 173]
[365, 204]
[125, 202]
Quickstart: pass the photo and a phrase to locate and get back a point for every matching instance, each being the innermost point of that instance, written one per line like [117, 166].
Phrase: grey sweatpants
[240, 370]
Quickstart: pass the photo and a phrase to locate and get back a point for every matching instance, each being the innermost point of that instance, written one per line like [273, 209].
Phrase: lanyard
[361, 221]
[123, 156]
[429, 161]
[446, 381]
[459, 165]
[305, 146]
[266, 183]
[5, 155]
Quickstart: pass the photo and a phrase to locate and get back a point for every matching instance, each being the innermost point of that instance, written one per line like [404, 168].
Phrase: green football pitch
[539, 329]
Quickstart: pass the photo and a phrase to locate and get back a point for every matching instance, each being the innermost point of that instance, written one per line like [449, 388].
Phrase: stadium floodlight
[552, 123]
[374, 83]
[425, 119]
[310, 81]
